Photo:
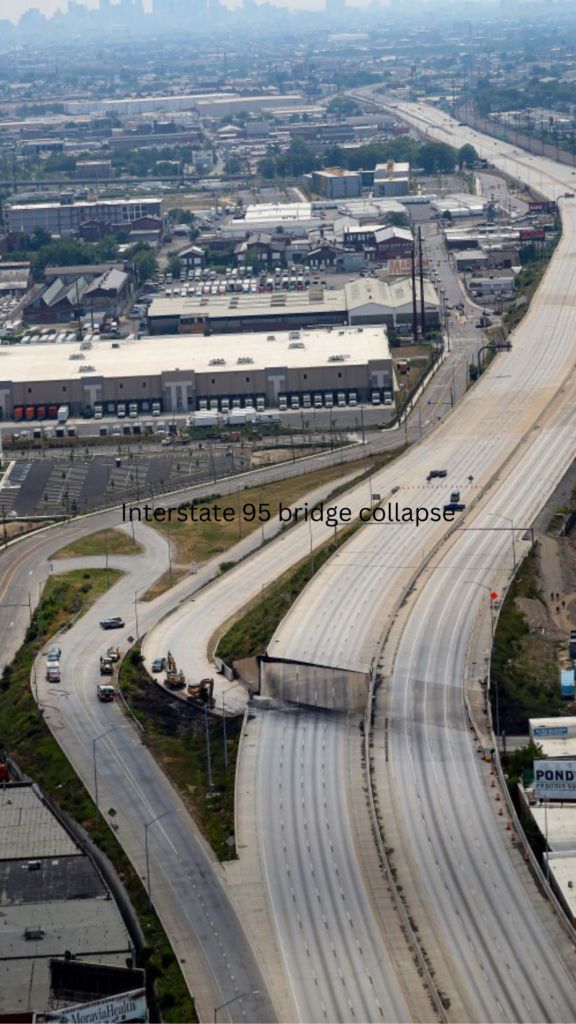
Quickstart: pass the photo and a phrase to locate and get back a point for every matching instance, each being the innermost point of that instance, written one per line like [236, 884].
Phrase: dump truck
[202, 691]
[174, 677]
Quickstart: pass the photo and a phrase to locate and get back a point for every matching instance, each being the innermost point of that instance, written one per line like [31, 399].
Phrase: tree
[467, 155]
[174, 264]
[145, 265]
[398, 220]
[437, 158]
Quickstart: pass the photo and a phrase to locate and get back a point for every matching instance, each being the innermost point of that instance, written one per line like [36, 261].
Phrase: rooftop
[245, 304]
[27, 828]
[156, 355]
[60, 896]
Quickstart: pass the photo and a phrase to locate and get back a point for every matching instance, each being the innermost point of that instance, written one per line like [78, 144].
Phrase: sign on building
[128, 1006]
[555, 779]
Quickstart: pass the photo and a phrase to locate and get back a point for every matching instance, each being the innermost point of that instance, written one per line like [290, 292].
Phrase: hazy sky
[12, 9]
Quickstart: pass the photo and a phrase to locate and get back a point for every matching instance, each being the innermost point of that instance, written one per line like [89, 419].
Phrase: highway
[501, 958]
[340, 620]
[512, 414]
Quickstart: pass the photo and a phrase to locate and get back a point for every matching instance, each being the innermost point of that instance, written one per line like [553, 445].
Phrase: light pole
[224, 722]
[136, 592]
[106, 552]
[493, 597]
[175, 810]
[511, 521]
[208, 755]
[94, 742]
[242, 995]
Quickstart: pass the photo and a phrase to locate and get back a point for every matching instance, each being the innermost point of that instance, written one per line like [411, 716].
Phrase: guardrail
[528, 853]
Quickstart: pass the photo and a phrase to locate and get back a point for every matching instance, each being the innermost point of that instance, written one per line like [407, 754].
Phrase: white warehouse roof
[154, 355]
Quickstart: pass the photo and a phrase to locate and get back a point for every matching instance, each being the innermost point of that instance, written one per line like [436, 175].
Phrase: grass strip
[27, 739]
[524, 667]
[176, 735]
[115, 542]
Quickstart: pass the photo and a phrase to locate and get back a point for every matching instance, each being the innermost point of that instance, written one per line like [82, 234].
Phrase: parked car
[158, 665]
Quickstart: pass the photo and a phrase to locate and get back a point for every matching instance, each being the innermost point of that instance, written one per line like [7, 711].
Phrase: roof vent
[217, 362]
[245, 359]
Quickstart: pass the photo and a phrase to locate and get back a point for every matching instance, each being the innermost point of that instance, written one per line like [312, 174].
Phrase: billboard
[550, 730]
[129, 1006]
[542, 206]
[536, 235]
[555, 779]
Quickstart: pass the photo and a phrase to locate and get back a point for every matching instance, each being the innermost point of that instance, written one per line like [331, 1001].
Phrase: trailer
[63, 413]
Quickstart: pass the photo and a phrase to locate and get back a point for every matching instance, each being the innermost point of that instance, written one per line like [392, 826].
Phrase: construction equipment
[113, 653]
[106, 666]
[174, 677]
[202, 691]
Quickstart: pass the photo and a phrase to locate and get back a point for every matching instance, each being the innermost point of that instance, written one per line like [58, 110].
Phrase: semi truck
[203, 419]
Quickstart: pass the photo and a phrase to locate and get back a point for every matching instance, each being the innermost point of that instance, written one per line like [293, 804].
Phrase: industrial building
[366, 301]
[104, 287]
[184, 373]
[55, 904]
[335, 183]
[391, 179]
[66, 217]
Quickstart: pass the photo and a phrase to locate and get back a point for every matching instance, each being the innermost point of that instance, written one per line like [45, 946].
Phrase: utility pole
[422, 306]
[414, 306]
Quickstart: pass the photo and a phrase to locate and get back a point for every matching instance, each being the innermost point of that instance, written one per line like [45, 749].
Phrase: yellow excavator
[174, 677]
[204, 691]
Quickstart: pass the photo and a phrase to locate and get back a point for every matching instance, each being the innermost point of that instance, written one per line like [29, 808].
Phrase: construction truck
[174, 677]
[202, 691]
[106, 666]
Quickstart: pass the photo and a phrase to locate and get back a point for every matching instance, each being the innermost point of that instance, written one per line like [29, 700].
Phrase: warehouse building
[66, 217]
[335, 183]
[184, 374]
[391, 179]
[235, 313]
[366, 301]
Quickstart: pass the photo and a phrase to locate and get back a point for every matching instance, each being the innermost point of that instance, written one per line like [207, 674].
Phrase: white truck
[63, 413]
[203, 419]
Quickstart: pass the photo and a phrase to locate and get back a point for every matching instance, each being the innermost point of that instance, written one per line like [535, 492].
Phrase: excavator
[202, 691]
[174, 677]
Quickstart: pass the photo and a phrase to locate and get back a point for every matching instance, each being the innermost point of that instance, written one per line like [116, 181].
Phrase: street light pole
[210, 783]
[489, 589]
[242, 995]
[511, 521]
[94, 742]
[175, 810]
[224, 722]
[136, 592]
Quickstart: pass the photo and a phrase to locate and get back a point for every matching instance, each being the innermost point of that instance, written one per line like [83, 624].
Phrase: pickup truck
[454, 506]
[105, 691]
